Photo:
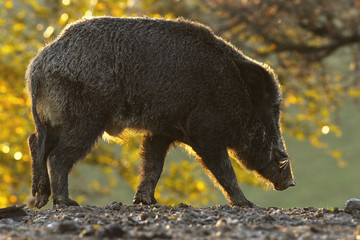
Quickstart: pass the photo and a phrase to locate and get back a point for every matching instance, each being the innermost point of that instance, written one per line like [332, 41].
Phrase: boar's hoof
[64, 202]
[245, 204]
[144, 198]
[41, 200]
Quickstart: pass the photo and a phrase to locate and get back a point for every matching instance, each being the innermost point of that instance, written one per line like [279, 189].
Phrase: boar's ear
[254, 77]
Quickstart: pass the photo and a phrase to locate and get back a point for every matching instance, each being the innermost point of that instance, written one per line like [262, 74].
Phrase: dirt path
[183, 222]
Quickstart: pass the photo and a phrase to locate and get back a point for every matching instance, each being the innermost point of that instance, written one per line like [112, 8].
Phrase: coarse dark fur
[173, 79]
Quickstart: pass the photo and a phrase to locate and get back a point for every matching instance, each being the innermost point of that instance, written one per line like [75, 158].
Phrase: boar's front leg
[215, 159]
[154, 149]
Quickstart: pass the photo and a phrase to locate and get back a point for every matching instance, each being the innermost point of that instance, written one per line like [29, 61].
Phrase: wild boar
[175, 80]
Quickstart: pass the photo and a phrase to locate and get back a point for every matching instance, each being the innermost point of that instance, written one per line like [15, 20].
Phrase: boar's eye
[283, 163]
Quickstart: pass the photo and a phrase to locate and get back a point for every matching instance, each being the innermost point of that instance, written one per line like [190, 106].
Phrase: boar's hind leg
[154, 149]
[40, 146]
[216, 160]
[73, 145]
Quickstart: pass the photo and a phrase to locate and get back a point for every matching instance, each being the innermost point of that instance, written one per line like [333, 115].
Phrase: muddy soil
[116, 221]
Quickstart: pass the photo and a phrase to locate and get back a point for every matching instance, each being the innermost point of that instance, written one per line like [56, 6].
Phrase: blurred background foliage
[299, 39]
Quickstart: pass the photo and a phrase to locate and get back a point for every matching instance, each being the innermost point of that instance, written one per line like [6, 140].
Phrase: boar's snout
[285, 179]
[283, 186]
[279, 173]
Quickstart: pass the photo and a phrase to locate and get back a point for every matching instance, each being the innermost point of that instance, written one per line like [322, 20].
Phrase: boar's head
[262, 147]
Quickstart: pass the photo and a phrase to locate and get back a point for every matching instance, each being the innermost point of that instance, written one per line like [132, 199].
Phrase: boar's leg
[215, 159]
[73, 145]
[40, 145]
[154, 149]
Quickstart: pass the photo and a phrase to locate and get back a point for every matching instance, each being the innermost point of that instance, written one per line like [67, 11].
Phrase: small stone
[267, 219]
[336, 210]
[315, 229]
[67, 226]
[64, 218]
[206, 232]
[52, 225]
[13, 212]
[352, 205]
[319, 214]
[144, 216]
[147, 215]
[87, 232]
[111, 231]
[80, 215]
[223, 224]
[220, 223]
[183, 205]
[163, 235]
[116, 206]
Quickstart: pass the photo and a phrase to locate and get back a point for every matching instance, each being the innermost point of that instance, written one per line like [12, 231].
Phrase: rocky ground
[181, 222]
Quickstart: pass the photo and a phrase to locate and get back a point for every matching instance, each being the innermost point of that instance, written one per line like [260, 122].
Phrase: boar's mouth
[282, 187]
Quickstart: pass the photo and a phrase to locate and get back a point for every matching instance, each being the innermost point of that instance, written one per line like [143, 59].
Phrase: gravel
[181, 222]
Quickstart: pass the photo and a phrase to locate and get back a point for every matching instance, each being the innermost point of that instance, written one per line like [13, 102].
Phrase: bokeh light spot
[66, 2]
[49, 31]
[325, 129]
[5, 148]
[18, 155]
